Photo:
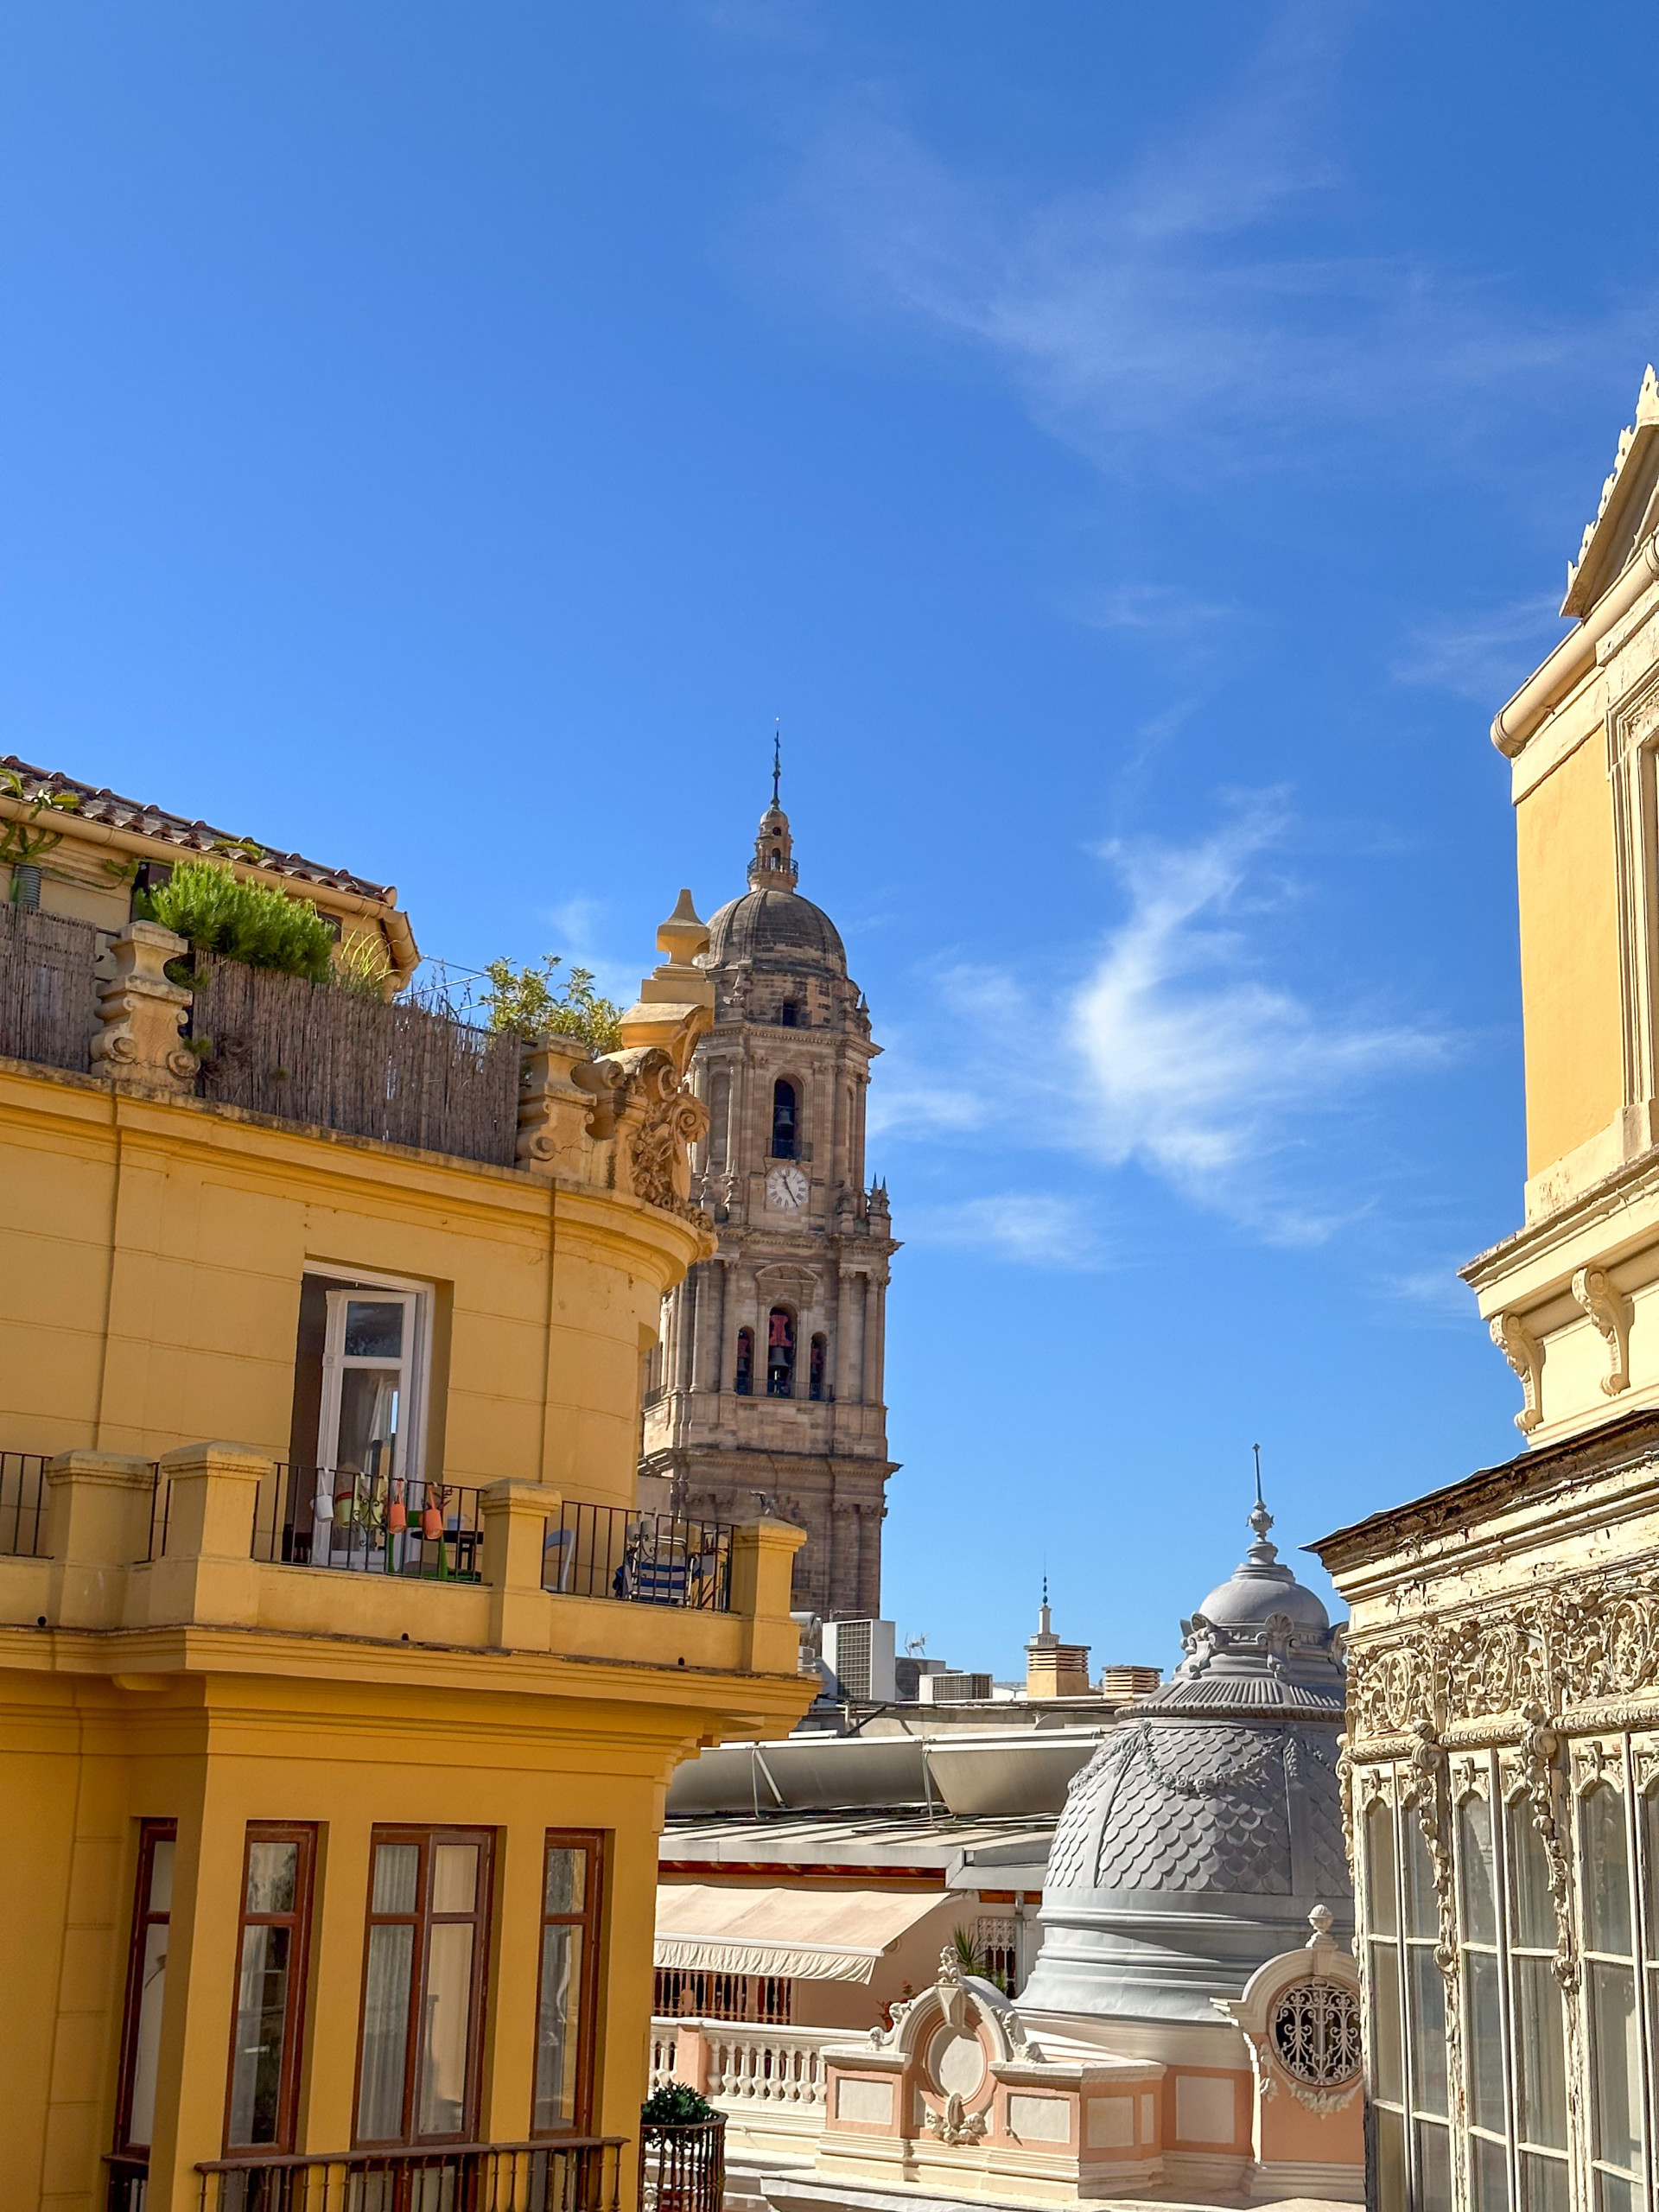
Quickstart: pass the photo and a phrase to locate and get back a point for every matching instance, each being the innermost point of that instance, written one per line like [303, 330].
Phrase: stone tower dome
[767, 1383]
[1209, 1823]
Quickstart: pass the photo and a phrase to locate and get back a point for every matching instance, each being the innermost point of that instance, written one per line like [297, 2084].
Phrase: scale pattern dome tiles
[1162, 1806]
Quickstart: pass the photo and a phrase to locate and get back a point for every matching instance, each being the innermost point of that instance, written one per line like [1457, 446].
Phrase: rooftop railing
[369, 1523]
[652, 1559]
[424, 1069]
[580, 2175]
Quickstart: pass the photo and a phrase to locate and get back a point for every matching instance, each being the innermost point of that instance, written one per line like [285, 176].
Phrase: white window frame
[413, 1368]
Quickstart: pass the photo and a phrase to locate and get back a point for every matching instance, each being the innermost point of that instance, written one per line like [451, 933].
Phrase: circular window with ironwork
[1315, 2031]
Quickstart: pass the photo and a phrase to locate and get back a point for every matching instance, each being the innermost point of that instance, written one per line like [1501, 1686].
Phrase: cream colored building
[1502, 1768]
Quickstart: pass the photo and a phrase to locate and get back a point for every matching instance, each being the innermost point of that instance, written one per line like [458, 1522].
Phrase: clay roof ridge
[146, 819]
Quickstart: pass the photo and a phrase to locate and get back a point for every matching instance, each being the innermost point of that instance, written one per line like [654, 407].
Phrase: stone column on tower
[804, 1250]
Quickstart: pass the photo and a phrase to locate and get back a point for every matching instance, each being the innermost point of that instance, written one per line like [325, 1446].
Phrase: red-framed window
[273, 1943]
[141, 2026]
[420, 2044]
[568, 1986]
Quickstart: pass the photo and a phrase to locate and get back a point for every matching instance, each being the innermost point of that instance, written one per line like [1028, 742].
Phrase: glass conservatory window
[1426, 2029]
[1540, 2026]
[1610, 1990]
[1482, 2008]
[1387, 2048]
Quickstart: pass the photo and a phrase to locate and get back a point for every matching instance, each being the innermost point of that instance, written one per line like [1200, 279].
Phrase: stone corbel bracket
[1610, 1309]
[1526, 1356]
[141, 1012]
[567, 1110]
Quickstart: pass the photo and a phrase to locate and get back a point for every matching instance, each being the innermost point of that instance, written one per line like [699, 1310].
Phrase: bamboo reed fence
[47, 1012]
[311, 1052]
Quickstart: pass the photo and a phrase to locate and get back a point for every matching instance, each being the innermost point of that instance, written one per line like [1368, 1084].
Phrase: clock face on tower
[786, 1188]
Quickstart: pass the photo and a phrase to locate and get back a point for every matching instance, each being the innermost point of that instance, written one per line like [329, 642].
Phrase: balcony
[212, 1537]
[768, 2082]
[579, 2176]
[648, 1559]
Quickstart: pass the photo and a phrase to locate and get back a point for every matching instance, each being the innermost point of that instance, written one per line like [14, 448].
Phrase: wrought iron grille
[1315, 2030]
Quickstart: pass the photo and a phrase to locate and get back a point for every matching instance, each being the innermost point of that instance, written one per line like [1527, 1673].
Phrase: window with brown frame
[141, 2029]
[272, 1943]
[566, 1993]
[420, 2043]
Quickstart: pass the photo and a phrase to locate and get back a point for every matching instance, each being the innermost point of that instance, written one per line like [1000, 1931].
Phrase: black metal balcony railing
[653, 1559]
[579, 2176]
[683, 2165]
[22, 1504]
[369, 1523]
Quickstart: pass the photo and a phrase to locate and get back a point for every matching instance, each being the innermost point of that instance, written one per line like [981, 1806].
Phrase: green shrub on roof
[207, 903]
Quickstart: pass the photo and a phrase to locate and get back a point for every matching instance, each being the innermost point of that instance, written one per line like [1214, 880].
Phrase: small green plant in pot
[676, 2104]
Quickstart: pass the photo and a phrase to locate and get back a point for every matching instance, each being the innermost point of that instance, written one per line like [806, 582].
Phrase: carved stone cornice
[1474, 1676]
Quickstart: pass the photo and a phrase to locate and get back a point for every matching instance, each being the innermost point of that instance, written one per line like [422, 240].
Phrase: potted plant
[682, 2151]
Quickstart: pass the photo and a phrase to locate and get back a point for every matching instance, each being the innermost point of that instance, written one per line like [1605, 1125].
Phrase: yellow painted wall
[150, 1260]
[1569, 958]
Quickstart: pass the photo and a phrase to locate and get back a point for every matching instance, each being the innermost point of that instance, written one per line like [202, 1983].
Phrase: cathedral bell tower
[767, 1379]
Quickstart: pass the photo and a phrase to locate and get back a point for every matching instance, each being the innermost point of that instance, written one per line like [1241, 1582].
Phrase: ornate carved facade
[1500, 1774]
[768, 1380]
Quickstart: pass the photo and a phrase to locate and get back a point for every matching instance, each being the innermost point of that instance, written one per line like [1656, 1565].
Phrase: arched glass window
[783, 1120]
[788, 1014]
[780, 1353]
[815, 1371]
[743, 1382]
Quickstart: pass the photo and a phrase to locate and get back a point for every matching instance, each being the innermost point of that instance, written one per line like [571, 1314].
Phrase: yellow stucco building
[334, 1753]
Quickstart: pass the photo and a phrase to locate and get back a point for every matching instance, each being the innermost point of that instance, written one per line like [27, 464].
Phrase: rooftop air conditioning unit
[858, 1661]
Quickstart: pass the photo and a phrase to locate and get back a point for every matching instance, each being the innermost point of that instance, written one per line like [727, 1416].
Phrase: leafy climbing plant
[22, 844]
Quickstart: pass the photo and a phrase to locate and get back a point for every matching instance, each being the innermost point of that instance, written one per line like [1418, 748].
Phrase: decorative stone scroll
[1526, 1356]
[1610, 1309]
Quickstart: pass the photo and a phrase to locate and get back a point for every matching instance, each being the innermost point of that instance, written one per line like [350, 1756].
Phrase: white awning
[811, 1934]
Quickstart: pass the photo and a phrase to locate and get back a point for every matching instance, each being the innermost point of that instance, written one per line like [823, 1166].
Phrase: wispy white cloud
[1482, 656]
[1035, 1228]
[1432, 1295]
[1157, 612]
[1199, 1062]
[1154, 320]
[1173, 1048]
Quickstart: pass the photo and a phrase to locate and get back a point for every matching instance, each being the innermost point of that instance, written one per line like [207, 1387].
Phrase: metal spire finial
[1261, 1519]
[776, 756]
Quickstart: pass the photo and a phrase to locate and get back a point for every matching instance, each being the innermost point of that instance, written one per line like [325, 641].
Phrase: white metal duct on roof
[813, 1935]
[816, 1773]
[1013, 1772]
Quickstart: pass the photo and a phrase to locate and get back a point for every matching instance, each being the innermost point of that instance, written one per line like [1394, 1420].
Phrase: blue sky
[1135, 451]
